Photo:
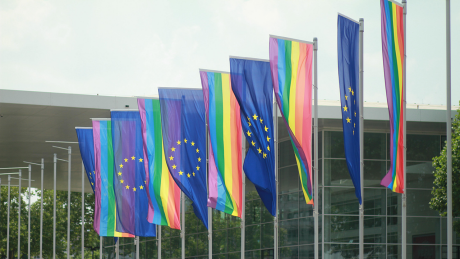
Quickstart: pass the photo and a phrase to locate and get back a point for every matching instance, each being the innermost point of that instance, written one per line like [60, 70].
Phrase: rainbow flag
[161, 188]
[393, 60]
[105, 212]
[224, 124]
[291, 68]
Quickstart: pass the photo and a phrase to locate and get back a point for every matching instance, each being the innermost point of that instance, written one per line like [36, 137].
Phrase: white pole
[8, 221]
[449, 134]
[82, 210]
[243, 199]
[136, 240]
[275, 131]
[117, 249]
[361, 138]
[315, 207]
[404, 195]
[209, 208]
[159, 241]
[69, 152]
[100, 247]
[28, 218]
[19, 215]
[41, 209]
[54, 207]
[182, 232]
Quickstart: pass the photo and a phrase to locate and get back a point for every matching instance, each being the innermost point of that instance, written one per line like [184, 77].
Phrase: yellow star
[197, 150]
[352, 92]
[193, 173]
[268, 138]
[349, 89]
[171, 158]
[119, 173]
[354, 101]
[260, 150]
[264, 155]
[193, 143]
[178, 142]
[266, 129]
[248, 118]
[185, 140]
[353, 132]
[127, 187]
[261, 121]
[121, 181]
[134, 188]
[249, 133]
[180, 172]
[346, 97]
[348, 120]
[255, 117]
[197, 168]
[249, 123]
[355, 114]
[121, 165]
[173, 149]
[345, 108]
[268, 148]
[188, 175]
[140, 159]
[174, 166]
[145, 182]
[126, 159]
[254, 144]
[133, 157]
[199, 159]
[354, 126]
[92, 183]
[141, 187]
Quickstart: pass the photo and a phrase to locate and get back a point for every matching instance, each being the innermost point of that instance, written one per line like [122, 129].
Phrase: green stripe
[302, 172]
[110, 172]
[158, 169]
[288, 75]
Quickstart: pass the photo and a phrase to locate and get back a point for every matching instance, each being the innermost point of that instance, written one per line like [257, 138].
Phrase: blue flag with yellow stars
[86, 145]
[253, 88]
[129, 179]
[348, 56]
[184, 139]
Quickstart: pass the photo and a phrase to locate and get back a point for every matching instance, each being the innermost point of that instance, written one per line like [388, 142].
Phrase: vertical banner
[253, 89]
[86, 145]
[291, 69]
[224, 124]
[348, 61]
[129, 181]
[184, 136]
[392, 30]
[161, 188]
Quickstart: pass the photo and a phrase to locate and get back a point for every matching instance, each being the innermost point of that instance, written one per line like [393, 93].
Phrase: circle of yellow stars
[127, 187]
[174, 166]
[263, 151]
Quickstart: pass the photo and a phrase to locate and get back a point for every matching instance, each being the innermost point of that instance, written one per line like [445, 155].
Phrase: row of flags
[190, 140]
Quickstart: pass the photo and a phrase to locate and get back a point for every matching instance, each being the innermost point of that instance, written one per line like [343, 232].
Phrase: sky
[130, 48]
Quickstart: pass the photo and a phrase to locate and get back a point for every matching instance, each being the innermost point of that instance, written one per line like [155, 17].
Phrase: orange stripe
[236, 174]
[300, 95]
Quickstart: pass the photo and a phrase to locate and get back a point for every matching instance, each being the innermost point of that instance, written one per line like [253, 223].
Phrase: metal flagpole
[449, 133]
[69, 152]
[28, 223]
[275, 131]
[100, 247]
[315, 82]
[136, 240]
[207, 185]
[54, 207]
[361, 137]
[82, 210]
[42, 168]
[182, 232]
[243, 198]
[8, 221]
[159, 241]
[404, 195]
[19, 215]
[117, 249]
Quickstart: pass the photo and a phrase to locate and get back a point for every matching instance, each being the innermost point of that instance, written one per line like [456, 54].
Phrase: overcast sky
[129, 48]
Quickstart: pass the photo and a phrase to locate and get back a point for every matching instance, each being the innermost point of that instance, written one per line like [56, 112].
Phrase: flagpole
[28, 218]
[136, 239]
[449, 133]
[243, 198]
[361, 137]
[100, 247]
[8, 221]
[54, 207]
[19, 215]
[117, 249]
[69, 152]
[182, 232]
[159, 241]
[207, 185]
[275, 119]
[315, 207]
[404, 195]
[82, 210]
[42, 168]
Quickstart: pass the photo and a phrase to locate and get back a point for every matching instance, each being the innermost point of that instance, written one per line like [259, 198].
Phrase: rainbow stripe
[291, 67]
[393, 60]
[224, 124]
[105, 212]
[162, 190]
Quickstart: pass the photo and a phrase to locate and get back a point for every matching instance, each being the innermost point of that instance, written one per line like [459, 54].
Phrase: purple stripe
[273, 45]
[97, 164]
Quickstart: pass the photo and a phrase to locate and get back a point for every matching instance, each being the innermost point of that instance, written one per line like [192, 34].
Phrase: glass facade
[338, 210]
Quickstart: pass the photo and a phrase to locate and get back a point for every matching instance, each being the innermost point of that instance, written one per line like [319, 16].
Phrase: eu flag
[253, 88]
[348, 56]
[184, 139]
[86, 145]
[129, 180]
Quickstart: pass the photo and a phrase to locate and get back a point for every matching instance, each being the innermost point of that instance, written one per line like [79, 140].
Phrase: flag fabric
[129, 176]
[105, 211]
[184, 139]
[392, 31]
[224, 124]
[291, 69]
[86, 145]
[253, 89]
[161, 188]
[348, 60]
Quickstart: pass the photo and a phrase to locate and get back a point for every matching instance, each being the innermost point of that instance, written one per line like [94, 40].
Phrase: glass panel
[308, 252]
[289, 179]
[282, 128]
[374, 145]
[252, 254]
[306, 210]
[423, 230]
[232, 221]
[374, 201]
[422, 147]
[202, 244]
[419, 175]
[190, 245]
[234, 256]
[128, 250]
[219, 241]
[165, 248]
[418, 203]
[191, 222]
[289, 252]
[374, 171]
[375, 251]
[148, 249]
[175, 247]
[344, 229]
[267, 235]
[251, 192]
[455, 236]
[393, 203]
[394, 231]
[218, 220]
[345, 251]
[333, 144]
[340, 201]
[374, 229]
[336, 173]
[288, 232]
[289, 206]
[286, 154]
[307, 230]
[265, 215]
[423, 251]
[253, 212]
[252, 237]
[267, 254]
[175, 232]
[394, 251]
[234, 239]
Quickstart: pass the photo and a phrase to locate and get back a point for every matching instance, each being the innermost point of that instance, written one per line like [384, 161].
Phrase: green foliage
[439, 193]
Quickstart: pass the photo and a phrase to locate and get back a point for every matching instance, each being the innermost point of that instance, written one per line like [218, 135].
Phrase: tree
[439, 193]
